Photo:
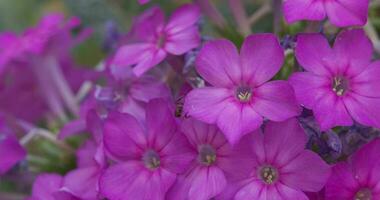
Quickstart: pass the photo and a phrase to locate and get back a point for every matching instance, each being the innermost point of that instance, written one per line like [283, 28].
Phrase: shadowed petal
[341, 184]
[347, 12]
[183, 41]
[207, 183]
[83, 182]
[296, 10]
[45, 185]
[11, 152]
[183, 18]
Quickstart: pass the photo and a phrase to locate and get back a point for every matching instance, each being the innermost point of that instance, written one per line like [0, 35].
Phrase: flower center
[268, 174]
[363, 194]
[340, 85]
[161, 40]
[206, 155]
[244, 94]
[151, 159]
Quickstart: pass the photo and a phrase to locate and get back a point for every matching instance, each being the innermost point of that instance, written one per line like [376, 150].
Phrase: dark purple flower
[156, 39]
[240, 95]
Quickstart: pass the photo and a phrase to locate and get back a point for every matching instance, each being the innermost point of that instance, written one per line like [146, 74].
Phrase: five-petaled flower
[240, 95]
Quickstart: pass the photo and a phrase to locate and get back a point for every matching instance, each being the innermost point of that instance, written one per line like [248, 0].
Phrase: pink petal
[365, 163]
[132, 54]
[283, 141]
[330, 111]
[306, 172]
[341, 184]
[207, 183]
[45, 185]
[161, 125]
[153, 57]
[258, 147]
[183, 41]
[367, 83]
[85, 154]
[290, 193]
[11, 152]
[347, 12]
[131, 180]
[183, 18]
[123, 136]
[276, 101]
[253, 190]
[177, 155]
[261, 58]
[355, 49]
[145, 26]
[312, 50]
[308, 87]
[207, 103]
[199, 133]
[72, 128]
[83, 182]
[364, 110]
[237, 120]
[296, 10]
[218, 63]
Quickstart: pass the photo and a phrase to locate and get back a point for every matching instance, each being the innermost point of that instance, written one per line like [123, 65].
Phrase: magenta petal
[183, 41]
[85, 154]
[347, 12]
[151, 58]
[145, 26]
[306, 172]
[311, 51]
[123, 136]
[45, 185]
[296, 10]
[131, 54]
[83, 182]
[289, 193]
[207, 103]
[198, 132]
[365, 163]
[253, 190]
[330, 111]
[218, 63]
[237, 120]
[261, 58]
[342, 183]
[207, 183]
[364, 110]
[183, 18]
[283, 141]
[355, 50]
[276, 101]
[161, 125]
[11, 152]
[308, 87]
[367, 83]
[72, 128]
[131, 180]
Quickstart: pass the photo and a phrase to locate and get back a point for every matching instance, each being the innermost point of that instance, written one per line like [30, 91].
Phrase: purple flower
[282, 168]
[240, 95]
[49, 187]
[340, 83]
[214, 159]
[340, 13]
[143, 1]
[11, 152]
[359, 177]
[149, 158]
[156, 39]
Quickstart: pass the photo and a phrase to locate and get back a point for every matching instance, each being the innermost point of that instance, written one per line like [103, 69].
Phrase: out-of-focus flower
[149, 158]
[214, 160]
[155, 39]
[143, 1]
[357, 178]
[282, 168]
[49, 187]
[340, 13]
[240, 95]
[340, 83]
[11, 152]
[37, 65]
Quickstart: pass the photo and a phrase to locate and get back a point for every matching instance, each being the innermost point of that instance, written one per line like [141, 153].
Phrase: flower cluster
[173, 114]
